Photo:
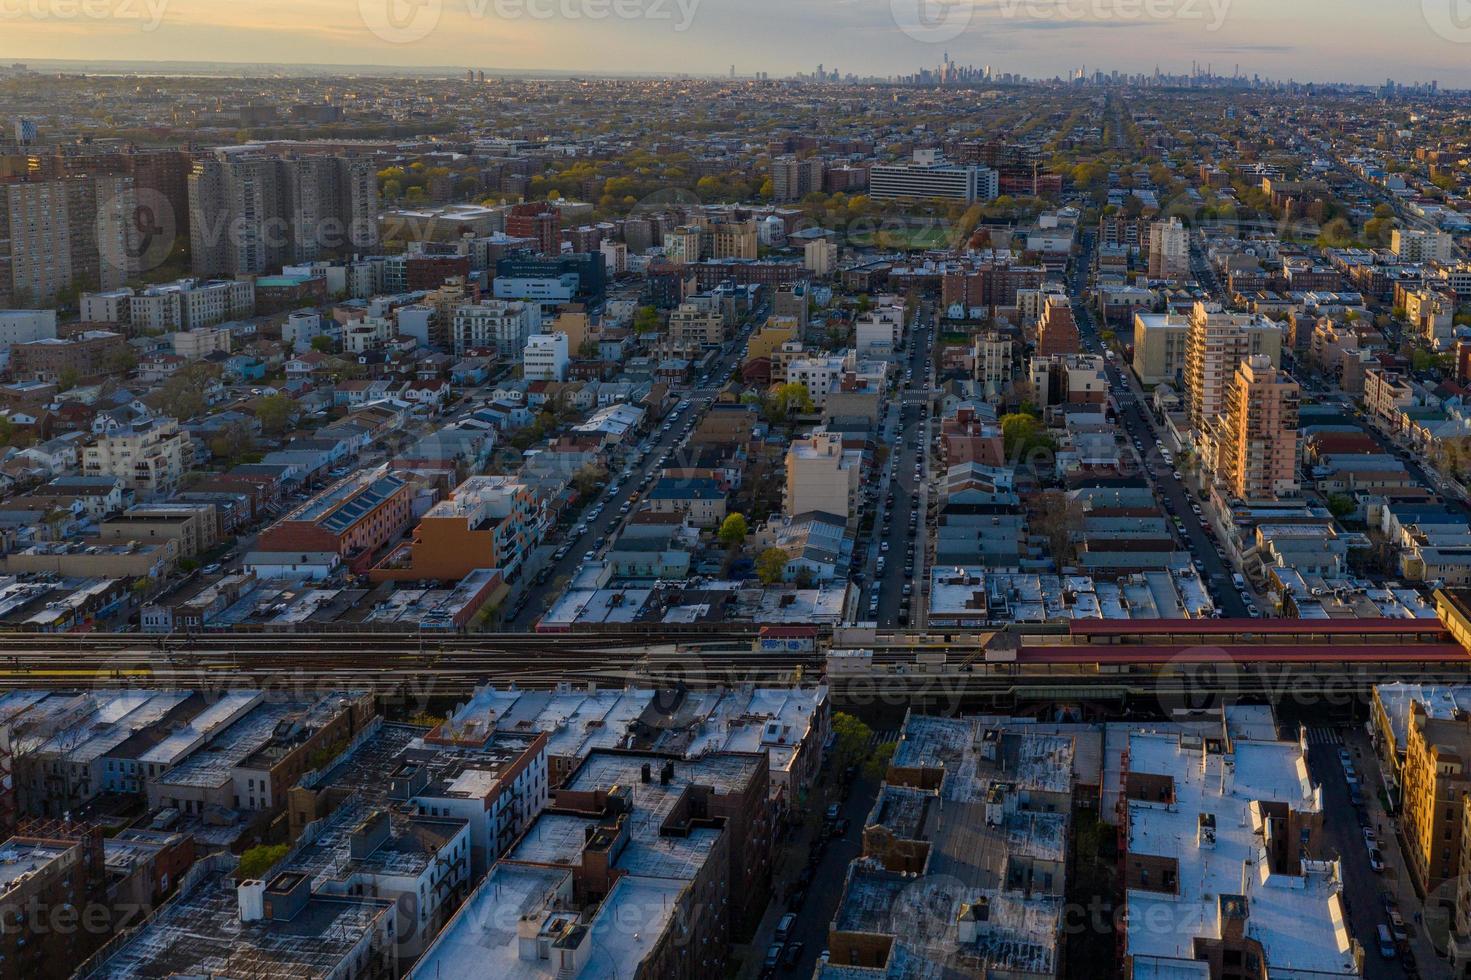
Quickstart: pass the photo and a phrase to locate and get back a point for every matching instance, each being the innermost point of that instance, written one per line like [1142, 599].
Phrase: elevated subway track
[1167, 664]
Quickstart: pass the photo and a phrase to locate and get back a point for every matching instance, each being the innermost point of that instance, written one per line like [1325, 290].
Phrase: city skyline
[1310, 41]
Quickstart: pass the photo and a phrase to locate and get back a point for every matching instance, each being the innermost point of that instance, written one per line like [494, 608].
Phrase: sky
[1319, 40]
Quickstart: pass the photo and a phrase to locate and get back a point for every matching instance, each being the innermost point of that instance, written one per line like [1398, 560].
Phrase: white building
[498, 324]
[1414, 246]
[879, 332]
[929, 176]
[545, 357]
[23, 327]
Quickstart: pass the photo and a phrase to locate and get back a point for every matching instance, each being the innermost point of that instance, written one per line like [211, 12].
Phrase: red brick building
[355, 519]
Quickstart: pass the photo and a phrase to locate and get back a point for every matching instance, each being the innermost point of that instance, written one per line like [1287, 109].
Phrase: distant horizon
[1352, 42]
[238, 69]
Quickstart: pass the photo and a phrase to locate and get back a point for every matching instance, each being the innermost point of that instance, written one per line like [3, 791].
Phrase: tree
[587, 480]
[851, 738]
[789, 399]
[771, 565]
[1341, 505]
[733, 531]
[275, 413]
[1022, 435]
[646, 320]
[255, 862]
[182, 395]
[322, 344]
[232, 441]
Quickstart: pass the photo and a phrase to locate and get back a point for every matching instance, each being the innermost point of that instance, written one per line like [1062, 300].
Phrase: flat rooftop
[1297, 918]
[199, 933]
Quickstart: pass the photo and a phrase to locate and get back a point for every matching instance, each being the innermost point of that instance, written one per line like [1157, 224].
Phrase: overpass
[1103, 666]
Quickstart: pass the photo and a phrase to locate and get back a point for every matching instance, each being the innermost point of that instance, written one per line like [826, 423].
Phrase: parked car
[1376, 860]
[784, 927]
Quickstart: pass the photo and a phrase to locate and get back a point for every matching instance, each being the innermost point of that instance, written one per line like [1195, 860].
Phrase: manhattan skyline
[1312, 40]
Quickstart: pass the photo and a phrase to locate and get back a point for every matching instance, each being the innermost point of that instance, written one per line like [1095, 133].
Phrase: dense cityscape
[961, 522]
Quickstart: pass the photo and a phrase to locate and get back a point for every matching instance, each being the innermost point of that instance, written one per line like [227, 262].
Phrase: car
[792, 956]
[1397, 927]
[833, 812]
[784, 927]
[213, 568]
[589, 556]
[1369, 837]
[840, 829]
[559, 554]
[1376, 860]
[773, 958]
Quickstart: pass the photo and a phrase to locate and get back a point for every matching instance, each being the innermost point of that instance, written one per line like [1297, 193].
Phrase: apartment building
[487, 522]
[694, 324]
[150, 458]
[929, 176]
[793, 178]
[1224, 838]
[545, 357]
[823, 477]
[198, 343]
[57, 234]
[539, 221]
[965, 856]
[820, 257]
[81, 356]
[353, 519]
[181, 305]
[1215, 343]
[1159, 348]
[1169, 250]
[495, 324]
[1433, 782]
[249, 214]
[1258, 437]
[1415, 246]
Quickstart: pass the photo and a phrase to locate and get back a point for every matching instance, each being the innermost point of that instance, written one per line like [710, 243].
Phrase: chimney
[666, 774]
[645, 773]
[251, 894]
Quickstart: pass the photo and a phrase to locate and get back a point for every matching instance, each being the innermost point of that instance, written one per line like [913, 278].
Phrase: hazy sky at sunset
[1356, 40]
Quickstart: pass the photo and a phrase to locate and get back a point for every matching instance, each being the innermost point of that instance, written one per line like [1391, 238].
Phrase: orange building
[488, 522]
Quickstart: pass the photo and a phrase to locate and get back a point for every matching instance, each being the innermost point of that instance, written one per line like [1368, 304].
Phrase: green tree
[275, 413]
[1341, 505]
[255, 862]
[771, 565]
[851, 739]
[1023, 434]
[733, 531]
[646, 320]
[322, 344]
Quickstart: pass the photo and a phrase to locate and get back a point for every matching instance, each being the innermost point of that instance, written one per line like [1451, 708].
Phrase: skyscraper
[539, 220]
[249, 214]
[56, 235]
[1257, 441]
[1215, 343]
